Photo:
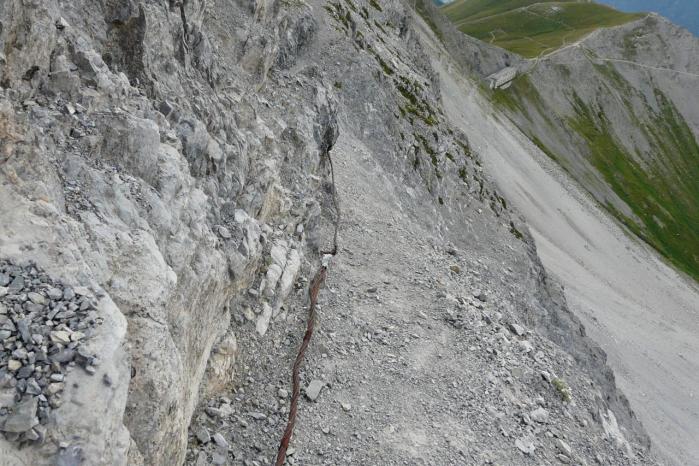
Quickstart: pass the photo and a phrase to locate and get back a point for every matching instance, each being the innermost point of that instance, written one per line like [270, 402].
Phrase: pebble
[218, 458]
[36, 298]
[54, 293]
[220, 441]
[526, 444]
[16, 285]
[23, 416]
[68, 294]
[313, 390]
[517, 329]
[526, 346]
[282, 393]
[224, 232]
[203, 435]
[563, 447]
[60, 336]
[346, 406]
[540, 415]
[13, 365]
[258, 416]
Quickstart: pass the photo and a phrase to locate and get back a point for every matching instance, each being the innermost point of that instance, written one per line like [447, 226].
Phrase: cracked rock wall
[147, 154]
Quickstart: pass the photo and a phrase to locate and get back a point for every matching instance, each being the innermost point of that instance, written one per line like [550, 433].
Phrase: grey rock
[223, 232]
[220, 441]
[563, 458]
[540, 415]
[517, 329]
[68, 294]
[203, 435]
[13, 365]
[16, 285]
[31, 435]
[61, 23]
[60, 336]
[25, 372]
[4, 279]
[23, 327]
[526, 444]
[36, 298]
[54, 293]
[201, 459]
[70, 456]
[33, 387]
[313, 389]
[64, 356]
[23, 417]
[564, 448]
[218, 458]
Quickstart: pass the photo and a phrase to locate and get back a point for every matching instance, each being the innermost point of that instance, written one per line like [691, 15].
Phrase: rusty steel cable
[313, 290]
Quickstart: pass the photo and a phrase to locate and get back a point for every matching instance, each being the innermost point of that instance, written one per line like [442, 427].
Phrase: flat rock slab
[314, 388]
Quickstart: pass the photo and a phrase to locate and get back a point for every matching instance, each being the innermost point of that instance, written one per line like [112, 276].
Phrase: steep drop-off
[632, 301]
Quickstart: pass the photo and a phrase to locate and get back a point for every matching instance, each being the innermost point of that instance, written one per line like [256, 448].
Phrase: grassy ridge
[471, 10]
[529, 27]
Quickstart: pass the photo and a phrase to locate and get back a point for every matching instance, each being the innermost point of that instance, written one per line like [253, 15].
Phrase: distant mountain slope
[620, 113]
[682, 12]
[530, 27]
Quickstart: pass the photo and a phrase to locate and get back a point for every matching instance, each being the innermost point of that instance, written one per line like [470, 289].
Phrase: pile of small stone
[42, 326]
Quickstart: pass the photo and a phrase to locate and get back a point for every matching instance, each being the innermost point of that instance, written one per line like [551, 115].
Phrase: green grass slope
[662, 193]
[529, 27]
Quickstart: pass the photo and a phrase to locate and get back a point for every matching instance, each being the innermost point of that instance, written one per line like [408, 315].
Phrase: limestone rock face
[132, 135]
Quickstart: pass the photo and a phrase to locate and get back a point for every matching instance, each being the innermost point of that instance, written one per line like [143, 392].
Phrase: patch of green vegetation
[465, 147]
[537, 142]
[422, 10]
[662, 192]
[338, 85]
[428, 149]
[463, 174]
[416, 106]
[378, 25]
[521, 96]
[388, 71]
[515, 232]
[375, 5]
[338, 13]
[532, 27]
[563, 389]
